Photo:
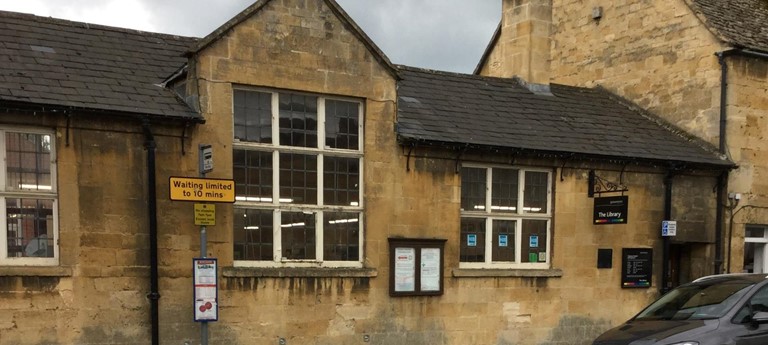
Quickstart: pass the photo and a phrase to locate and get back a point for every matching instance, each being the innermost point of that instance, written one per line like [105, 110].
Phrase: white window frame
[318, 210]
[761, 244]
[50, 195]
[518, 216]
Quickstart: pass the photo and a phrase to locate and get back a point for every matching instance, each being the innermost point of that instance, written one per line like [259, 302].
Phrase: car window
[697, 301]
[758, 303]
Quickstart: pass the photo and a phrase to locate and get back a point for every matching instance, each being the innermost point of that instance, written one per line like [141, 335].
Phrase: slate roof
[501, 113]
[60, 63]
[742, 23]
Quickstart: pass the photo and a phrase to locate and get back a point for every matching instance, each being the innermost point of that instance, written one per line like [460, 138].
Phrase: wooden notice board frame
[416, 267]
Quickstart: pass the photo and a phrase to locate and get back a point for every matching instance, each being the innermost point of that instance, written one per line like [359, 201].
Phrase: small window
[28, 196]
[505, 217]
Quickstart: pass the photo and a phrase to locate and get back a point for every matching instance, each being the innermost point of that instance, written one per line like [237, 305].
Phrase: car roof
[732, 277]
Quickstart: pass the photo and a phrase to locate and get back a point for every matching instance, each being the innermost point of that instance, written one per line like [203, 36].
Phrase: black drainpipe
[722, 184]
[665, 240]
[154, 294]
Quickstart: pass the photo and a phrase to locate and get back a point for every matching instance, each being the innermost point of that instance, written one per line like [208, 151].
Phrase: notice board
[416, 267]
[636, 267]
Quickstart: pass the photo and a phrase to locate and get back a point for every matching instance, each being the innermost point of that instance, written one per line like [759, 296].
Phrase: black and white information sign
[636, 267]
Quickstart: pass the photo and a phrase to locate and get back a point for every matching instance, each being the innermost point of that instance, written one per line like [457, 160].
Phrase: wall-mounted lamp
[733, 199]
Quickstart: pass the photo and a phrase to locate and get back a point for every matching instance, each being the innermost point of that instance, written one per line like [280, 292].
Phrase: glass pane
[252, 173]
[472, 240]
[28, 159]
[298, 178]
[504, 190]
[253, 116]
[535, 196]
[341, 236]
[534, 246]
[298, 120]
[30, 227]
[473, 189]
[298, 235]
[341, 181]
[755, 231]
[749, 257]
[253, 234]
[341, 124]
[503, 245]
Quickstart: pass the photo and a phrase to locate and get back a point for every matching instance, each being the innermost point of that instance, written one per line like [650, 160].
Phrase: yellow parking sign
[205, 214]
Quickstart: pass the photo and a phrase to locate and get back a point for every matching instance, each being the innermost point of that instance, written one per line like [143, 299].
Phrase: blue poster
[472, 240]
[534, 241]
[503, 240]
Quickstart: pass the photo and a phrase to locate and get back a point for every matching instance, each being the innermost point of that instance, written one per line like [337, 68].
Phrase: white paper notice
[405, 269]
[430, 269]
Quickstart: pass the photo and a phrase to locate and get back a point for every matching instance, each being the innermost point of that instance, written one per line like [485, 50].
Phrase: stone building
[373, 203]
[700, 64]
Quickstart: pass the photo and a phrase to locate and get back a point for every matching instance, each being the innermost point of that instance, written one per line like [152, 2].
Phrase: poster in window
[471, 240]
[503, 240]
[430, 269]
[405, 269]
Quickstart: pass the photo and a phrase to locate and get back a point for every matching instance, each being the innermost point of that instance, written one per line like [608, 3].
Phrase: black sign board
[604, 258]
[611, 210]
[636, 267]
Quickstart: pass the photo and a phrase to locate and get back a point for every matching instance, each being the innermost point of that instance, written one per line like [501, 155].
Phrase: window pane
[534, 244]
[252, 173]
[754, 231]
[473, 189]
[504, 190]
[298, 235]
[472, 240]
[535, 196]
[298, 120]
[30, 227]
[341, 124]
[341, 236]
[503, 244]
[298, 178]
[341, 181]
[28, 159]
[253, 234]
[253, 116]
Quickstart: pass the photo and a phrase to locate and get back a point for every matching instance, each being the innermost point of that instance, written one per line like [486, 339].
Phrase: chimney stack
[523, 45]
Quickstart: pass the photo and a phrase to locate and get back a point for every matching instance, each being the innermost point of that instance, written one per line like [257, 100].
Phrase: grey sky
[445, 35]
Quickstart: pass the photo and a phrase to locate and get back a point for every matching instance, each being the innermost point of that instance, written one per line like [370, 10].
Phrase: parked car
[715, 310]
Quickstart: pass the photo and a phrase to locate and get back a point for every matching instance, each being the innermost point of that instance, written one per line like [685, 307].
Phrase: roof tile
[59, 62]
[739, 22]
[498, 113]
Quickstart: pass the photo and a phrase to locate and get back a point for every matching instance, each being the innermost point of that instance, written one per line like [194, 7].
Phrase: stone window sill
[511, 273]
[35, 271]
[297, 272]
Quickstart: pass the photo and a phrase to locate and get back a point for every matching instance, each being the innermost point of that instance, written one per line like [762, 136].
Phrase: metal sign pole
[206, 164]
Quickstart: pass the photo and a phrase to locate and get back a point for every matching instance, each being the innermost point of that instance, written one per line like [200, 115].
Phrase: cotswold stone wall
[655, 53]
[660, 55]
[99, 295]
